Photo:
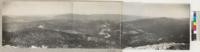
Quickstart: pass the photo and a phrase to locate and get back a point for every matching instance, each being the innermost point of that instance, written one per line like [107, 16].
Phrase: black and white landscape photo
[157, 26]
[96, 25]
[61, 24]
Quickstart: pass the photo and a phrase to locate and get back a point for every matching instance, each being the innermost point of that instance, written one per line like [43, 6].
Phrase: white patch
[34, 46]
[161, 46]
[41, 26]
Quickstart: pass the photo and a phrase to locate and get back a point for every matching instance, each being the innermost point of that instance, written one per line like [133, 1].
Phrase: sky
[152, 8]
[41, 8]
[97, 8]
[156, 10]
[21, 8]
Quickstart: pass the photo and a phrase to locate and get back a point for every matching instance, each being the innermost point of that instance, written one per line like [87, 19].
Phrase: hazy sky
[151, 8]
[97, 8]
[156, 9]
[21, 8]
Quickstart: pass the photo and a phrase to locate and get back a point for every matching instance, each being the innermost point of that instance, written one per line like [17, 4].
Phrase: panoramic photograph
[58, 24]
[96, 25]
[157, 26]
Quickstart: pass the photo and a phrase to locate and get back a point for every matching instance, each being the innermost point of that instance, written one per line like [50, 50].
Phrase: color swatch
[194, 23]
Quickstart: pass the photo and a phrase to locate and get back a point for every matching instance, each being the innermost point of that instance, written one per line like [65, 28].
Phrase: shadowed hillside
[154, 31]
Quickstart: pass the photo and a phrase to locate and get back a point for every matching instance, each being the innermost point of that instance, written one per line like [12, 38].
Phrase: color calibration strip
[194, 23]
